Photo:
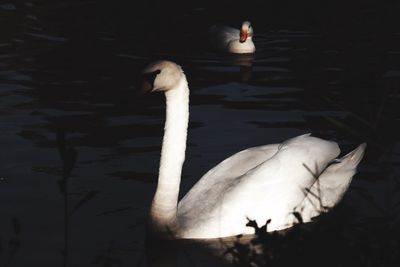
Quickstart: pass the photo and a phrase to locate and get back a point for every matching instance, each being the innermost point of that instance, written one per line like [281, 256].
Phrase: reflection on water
[67, 75]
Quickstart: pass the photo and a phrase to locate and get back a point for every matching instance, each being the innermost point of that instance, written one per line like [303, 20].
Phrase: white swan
[259, 183]
[232, 40]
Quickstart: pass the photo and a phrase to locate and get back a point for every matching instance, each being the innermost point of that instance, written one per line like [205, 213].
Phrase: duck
[231, 40]
[263, 184]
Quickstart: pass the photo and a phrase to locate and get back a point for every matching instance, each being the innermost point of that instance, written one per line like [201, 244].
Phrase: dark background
[79, 151]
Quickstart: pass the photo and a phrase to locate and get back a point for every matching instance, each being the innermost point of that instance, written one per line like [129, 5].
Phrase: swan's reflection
[161, 253]
[199, 252]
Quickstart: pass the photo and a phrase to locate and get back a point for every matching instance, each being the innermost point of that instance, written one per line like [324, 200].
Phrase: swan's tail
[347, 163]
[329, 188]
[352, 159]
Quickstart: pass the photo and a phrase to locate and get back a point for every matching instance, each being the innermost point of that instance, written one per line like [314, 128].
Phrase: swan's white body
[260, 183]
[227, 39]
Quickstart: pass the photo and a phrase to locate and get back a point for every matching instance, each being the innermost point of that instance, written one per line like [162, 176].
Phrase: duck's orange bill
[243, 36]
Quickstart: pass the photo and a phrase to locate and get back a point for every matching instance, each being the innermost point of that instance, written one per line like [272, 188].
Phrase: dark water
[67, 75]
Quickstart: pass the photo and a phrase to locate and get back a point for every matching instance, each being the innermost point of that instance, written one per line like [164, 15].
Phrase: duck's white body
[260, 183]
[228, 39]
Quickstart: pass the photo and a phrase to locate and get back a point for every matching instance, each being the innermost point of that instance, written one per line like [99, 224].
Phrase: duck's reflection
[245, 63]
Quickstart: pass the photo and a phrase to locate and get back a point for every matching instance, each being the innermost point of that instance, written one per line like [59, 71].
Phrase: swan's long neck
[164, 206]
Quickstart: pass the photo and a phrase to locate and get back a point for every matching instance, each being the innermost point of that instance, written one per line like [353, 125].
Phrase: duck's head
[246, 31]
[160, 76]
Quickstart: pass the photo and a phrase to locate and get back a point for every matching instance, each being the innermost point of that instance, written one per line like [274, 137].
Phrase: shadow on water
[327, 68]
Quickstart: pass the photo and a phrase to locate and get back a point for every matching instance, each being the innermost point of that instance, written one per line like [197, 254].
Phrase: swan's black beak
[146, 82]
[143, 87]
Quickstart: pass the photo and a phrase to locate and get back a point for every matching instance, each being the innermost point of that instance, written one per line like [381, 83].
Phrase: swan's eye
[151, 76]
[147, 81]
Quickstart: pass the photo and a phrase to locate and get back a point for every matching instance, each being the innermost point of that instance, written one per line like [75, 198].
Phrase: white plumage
[228, 39]
[259, 183]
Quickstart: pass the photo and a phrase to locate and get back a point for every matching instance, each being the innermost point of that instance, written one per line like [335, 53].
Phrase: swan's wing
[220, 36]
[220, 205]
[228, 170]
[331, 185]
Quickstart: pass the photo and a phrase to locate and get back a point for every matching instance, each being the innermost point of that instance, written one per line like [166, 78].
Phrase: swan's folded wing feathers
[215, 181]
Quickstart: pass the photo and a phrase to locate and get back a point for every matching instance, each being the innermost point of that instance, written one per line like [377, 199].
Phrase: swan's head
[160, 76]
[246, 31]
